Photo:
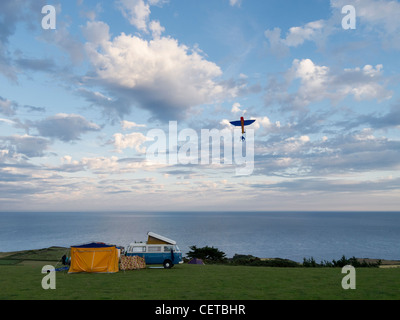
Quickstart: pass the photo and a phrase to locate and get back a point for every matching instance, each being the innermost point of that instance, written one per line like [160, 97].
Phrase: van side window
[154, 248]
[168, 248]
[137, 249]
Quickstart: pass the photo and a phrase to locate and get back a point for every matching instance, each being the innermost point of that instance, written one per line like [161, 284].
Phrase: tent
[94, 258]
[196, 261]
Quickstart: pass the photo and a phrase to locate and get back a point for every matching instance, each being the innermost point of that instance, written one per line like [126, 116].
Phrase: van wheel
[168, 264]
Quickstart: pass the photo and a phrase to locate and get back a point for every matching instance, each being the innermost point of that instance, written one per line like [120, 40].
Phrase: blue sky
[77, 103]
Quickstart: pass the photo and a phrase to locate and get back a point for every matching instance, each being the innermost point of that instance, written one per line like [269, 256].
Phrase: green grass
[192, 282]
[8, 261]
[209, 282]
[47, 254]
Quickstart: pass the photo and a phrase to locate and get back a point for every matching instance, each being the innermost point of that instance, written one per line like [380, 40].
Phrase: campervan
[157, 250]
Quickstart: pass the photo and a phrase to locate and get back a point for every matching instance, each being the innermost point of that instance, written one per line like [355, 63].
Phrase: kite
[242, 123]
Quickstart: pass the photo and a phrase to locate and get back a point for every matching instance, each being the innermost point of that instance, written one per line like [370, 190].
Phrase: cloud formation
[7, 107]
[137, 12]
[161, 75]
[236, 3]
[347, 153]
[11, 14]
[376, 17]
[327, 111]
[318, 83]
[26, 145]
[296, 36]
[65, 127]
[133, 140]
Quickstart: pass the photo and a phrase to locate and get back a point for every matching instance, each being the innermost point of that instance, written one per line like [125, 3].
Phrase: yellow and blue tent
[94, 258]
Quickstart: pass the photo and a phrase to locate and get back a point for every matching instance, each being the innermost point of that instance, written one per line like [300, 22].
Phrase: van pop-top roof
[157, 239]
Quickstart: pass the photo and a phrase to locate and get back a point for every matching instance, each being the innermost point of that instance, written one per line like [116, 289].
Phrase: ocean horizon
[323, 235]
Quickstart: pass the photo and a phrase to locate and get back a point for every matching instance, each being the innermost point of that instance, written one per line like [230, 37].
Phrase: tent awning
[94, 245]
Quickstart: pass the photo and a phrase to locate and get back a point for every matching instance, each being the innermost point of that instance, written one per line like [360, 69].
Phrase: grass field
[22, 281]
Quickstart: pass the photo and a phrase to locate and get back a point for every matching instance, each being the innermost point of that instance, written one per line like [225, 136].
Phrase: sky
[83, 90]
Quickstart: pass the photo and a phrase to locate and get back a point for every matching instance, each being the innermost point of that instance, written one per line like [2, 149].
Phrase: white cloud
[297, 35]
[137, 12]
[7, 107]
[264, 122]
[313, 79]
[236, 108]
[10, 122]
[66, 127]
[105, 165]
[126, 125]
[133, 140]
[236, 3]
[156, 29]
[363, 83]
[291, 145]
[3, 153]
[68, 160]
[163, 76]
[96, 32]
[102, 164]
[381, 14]
[277, 45]
[365, 135]
[157, 2]
[318, 83]
[226, 123]
[27, 145]
[378, 18]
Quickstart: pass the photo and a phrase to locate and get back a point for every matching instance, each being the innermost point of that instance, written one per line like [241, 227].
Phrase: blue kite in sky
[242, 123]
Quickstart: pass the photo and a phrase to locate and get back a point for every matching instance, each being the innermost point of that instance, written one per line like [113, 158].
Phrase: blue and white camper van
[157, 250]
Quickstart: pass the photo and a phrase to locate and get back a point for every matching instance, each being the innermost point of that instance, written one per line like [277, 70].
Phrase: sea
[323, 236]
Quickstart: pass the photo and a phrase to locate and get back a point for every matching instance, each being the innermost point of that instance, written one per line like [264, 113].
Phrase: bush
[207, 254]
[249, 260]
[310, 263]
[213, 255]
[244, 260]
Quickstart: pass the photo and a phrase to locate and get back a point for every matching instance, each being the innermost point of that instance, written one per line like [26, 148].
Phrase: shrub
[207, 254]
[249, 260]
[310, 263]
